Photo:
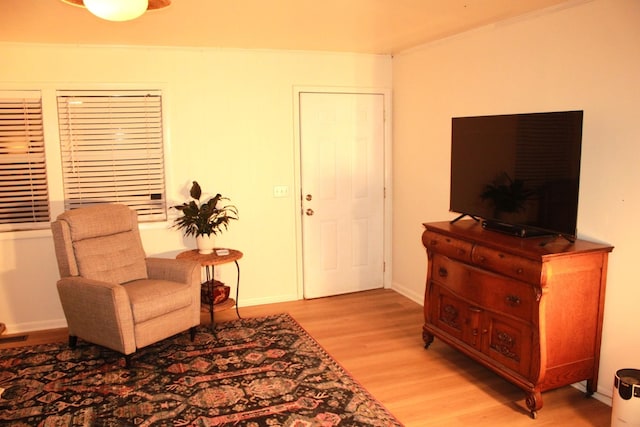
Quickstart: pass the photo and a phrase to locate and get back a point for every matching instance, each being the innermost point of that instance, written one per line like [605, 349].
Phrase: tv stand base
[459, 217]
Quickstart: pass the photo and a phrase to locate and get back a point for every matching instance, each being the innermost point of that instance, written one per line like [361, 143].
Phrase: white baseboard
[248, 302]
[20, 328]
[598, 395]
[409, 293]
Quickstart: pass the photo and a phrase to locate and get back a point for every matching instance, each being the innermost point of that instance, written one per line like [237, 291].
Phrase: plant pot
[205, 243]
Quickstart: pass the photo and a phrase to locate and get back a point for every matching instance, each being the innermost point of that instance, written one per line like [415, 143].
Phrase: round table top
[212, 258]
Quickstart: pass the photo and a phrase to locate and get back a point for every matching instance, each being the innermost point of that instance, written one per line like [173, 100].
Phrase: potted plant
[204, 219]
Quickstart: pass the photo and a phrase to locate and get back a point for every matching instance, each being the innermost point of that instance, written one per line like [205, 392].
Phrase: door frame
[297, 178]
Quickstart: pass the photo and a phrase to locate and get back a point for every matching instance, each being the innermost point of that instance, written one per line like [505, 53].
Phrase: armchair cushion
[114, 258]
[98, 220]
[105, 241]
[152, 298]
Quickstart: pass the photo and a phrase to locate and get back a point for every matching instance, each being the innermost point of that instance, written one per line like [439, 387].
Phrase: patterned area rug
[253, 372]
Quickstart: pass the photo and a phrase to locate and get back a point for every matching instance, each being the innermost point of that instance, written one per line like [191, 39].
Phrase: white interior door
[342, 182]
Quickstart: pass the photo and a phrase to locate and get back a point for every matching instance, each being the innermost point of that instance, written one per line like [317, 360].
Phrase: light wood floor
[377, 337]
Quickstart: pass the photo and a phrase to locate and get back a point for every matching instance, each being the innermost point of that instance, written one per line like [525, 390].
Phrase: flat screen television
[518, 173]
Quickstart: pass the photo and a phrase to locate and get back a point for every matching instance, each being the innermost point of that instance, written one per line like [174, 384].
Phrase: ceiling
[366, 26]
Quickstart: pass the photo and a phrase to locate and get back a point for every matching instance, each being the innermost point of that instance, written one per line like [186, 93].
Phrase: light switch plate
[281, 191]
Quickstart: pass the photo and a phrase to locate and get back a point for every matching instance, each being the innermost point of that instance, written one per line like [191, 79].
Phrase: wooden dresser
[530, 311]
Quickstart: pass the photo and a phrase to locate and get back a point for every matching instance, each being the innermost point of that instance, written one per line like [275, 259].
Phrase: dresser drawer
[449, 246]
[485, 289]
[507, 264]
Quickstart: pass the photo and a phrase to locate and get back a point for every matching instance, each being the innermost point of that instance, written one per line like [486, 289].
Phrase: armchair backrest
[99, 242]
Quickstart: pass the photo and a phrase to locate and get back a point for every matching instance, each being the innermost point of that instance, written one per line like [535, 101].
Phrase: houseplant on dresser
[204, 219]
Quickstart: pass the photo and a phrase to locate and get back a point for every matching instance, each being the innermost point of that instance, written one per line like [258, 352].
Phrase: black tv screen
[519, 173]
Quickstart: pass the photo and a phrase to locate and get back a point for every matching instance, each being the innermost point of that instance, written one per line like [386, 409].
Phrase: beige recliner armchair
[111, 293]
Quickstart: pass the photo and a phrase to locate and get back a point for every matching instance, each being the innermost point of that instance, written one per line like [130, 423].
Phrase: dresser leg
[428, 338]
[534, 403]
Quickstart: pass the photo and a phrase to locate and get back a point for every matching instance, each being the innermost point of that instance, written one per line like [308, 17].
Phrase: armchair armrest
[98, 312]
[181, 271]
[175, 270]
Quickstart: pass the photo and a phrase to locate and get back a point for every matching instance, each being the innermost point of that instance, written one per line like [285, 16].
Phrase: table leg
[210, 274]
[237, 288]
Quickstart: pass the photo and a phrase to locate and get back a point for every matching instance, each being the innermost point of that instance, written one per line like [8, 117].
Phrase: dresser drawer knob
[512, 300]
[442, 272]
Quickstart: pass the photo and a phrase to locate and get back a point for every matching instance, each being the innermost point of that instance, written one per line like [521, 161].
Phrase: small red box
[219, 290]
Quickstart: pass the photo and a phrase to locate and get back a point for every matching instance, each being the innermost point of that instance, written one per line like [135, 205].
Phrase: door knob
[309, 212]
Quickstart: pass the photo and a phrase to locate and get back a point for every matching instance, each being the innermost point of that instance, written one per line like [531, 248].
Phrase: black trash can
[625, 410]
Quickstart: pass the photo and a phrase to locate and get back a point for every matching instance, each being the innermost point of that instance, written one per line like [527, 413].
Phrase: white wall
[230, 125]
[583, 56]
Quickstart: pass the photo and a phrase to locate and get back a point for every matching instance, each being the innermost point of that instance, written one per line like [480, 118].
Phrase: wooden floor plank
[377, 337]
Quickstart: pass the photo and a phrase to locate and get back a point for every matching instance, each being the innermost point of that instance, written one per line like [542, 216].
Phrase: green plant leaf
[195, 191]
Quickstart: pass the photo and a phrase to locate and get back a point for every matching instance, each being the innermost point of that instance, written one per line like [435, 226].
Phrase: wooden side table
[219, 256]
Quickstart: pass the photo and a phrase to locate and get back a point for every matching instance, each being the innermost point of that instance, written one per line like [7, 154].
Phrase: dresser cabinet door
[454, 316]
[508, 342]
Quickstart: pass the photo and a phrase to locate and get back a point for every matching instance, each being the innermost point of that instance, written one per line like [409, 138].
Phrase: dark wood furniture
[219, 256]
[529, 309]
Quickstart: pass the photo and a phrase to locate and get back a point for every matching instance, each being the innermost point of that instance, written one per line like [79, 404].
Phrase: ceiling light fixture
[119, 10]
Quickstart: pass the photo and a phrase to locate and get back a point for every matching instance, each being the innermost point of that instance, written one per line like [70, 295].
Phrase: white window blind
[24, 199]
[112, 150]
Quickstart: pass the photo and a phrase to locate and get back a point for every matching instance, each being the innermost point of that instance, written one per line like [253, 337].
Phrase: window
[111, 146]
[24, 199]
